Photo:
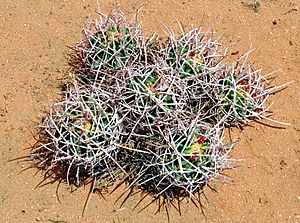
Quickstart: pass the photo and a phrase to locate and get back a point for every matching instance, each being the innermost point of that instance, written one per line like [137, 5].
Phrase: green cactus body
[146, 88]
[195, 155]
[82, 130]
[110, 48]
[237, 98]
[187, 61]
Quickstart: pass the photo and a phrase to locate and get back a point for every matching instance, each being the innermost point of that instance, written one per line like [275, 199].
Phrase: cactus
[179, 163]
[150, 111]
[242, 93]
[193, 53]
[79, 136]
[109, 45]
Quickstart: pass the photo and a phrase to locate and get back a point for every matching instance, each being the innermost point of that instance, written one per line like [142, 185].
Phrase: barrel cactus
[80, 136]
[179, 163]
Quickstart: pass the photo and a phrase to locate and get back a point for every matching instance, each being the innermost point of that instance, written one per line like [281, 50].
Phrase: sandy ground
[33, 39]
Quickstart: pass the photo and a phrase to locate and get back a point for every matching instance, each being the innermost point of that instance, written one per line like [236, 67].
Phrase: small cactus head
[108, 45]
[180, 162]
[80, 136]
[242, 92]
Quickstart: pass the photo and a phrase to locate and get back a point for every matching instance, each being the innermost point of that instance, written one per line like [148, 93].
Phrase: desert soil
[33, 39]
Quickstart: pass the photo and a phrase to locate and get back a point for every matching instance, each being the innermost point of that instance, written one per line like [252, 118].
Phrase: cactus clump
[151, 111]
